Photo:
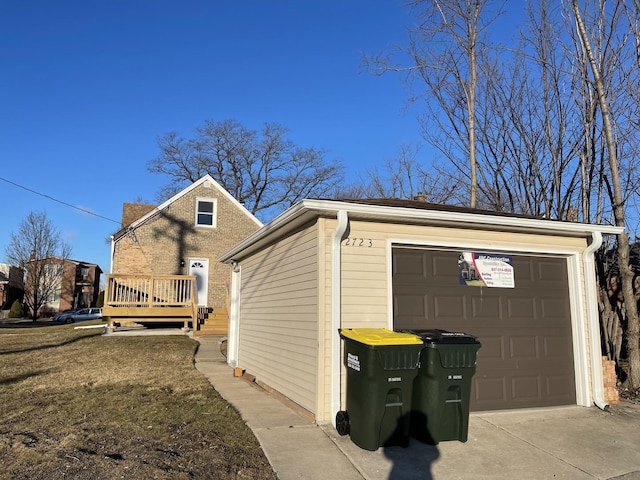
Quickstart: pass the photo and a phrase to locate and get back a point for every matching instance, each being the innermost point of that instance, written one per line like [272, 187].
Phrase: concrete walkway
[295, 447]
[561, 443]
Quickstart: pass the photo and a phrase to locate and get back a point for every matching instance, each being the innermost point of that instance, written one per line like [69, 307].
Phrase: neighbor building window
[53, 296]
[52, 270]
[206, 212]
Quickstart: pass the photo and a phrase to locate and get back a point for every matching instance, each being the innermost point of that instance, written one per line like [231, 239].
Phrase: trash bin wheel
[342, 422]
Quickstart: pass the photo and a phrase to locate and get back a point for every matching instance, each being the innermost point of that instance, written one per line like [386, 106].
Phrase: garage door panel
[526, 357]
[485, 308]
[521, 308]
[551, 273]
[554, 308]
[560, 387]
[489, 393]
[443, 268]
[411, 305]
[556, 347]
[524, 347]
[408, 269]
[523, 271]
[449, 307]
[492, 348]
[526, 388]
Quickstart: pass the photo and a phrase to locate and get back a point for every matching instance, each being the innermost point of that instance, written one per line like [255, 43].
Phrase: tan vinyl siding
[279, 316]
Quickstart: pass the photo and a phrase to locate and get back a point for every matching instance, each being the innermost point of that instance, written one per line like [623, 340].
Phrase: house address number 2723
[358, 242]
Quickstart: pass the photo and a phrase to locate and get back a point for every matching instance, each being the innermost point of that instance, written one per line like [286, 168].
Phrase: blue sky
[88, 87]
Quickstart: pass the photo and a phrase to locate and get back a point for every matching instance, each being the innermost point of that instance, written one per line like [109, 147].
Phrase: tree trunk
[471, 106]
[626, 273]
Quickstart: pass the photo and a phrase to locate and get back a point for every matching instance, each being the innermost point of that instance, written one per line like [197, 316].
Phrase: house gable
[163, 240]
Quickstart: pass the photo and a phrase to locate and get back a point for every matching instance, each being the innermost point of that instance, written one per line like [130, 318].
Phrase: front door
[199, 268]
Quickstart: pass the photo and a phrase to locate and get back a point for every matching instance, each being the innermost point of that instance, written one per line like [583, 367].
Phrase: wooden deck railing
[151, 297]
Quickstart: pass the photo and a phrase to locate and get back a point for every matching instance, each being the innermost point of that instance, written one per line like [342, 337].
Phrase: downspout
[233, 340]
[113, 249]
[336, 311]
[594, 322]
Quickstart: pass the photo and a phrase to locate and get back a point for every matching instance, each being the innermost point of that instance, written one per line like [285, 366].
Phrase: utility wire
[59, 201]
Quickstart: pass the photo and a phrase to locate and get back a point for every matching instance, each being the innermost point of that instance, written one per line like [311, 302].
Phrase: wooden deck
[160, 299]
[150, 298]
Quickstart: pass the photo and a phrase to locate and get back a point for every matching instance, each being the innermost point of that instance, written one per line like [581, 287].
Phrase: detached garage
[525, 287]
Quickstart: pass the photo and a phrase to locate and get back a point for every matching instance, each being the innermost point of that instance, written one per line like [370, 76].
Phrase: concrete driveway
[559, 443]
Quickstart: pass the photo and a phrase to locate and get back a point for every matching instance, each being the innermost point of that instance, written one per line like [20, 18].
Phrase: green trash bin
[381, 367]
[442, 387]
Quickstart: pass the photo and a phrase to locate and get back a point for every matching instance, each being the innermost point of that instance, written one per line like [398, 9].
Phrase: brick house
[185, 235]
[64, 283]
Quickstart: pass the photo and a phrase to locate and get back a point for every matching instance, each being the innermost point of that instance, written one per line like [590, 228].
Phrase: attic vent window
[206, 211]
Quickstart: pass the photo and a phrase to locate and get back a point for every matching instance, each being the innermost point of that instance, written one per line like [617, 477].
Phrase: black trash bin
[381, 367]
[442, 387]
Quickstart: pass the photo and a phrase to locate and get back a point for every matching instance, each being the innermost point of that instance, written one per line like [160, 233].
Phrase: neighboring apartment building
[184, 236]
[65, 284]
[11, 285]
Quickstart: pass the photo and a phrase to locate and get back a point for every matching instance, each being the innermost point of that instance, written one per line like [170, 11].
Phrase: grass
[75, 404]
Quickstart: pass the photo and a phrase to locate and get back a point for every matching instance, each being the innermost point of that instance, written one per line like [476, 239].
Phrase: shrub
[16, 310]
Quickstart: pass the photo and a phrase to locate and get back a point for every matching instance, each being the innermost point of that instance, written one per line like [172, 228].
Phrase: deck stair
[215, 323]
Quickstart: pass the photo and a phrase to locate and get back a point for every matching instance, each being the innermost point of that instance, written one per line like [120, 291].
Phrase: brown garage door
[526, 358]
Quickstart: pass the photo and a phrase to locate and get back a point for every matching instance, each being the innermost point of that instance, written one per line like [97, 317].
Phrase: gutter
[594, 322]
[336, 311]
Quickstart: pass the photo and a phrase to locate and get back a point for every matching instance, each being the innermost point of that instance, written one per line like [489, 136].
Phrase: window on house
[206, 212]
[53, 296]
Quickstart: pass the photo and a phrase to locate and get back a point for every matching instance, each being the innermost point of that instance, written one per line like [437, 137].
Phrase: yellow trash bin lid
[380, 336]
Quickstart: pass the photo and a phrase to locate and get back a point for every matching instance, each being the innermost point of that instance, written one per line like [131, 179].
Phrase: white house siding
[366, 276]
[279, 316]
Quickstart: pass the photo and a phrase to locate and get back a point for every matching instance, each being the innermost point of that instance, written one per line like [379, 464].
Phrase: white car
[79, 315]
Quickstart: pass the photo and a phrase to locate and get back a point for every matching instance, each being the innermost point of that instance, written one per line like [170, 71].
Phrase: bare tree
[38, 247]
[445, 51]
[525, 128]
[263, 170]
[632, 112]
[405, 177]
[626, 272]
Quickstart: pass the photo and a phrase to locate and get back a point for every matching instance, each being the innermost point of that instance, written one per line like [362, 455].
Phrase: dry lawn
[75, 404]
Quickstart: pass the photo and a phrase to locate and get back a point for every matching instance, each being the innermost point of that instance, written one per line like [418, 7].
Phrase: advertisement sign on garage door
[486, 270]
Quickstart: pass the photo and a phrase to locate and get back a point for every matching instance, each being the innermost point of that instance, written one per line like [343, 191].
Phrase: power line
[59, 201]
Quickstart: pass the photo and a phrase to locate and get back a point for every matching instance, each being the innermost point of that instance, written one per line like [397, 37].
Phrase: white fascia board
[306, 209]
[462, 218]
